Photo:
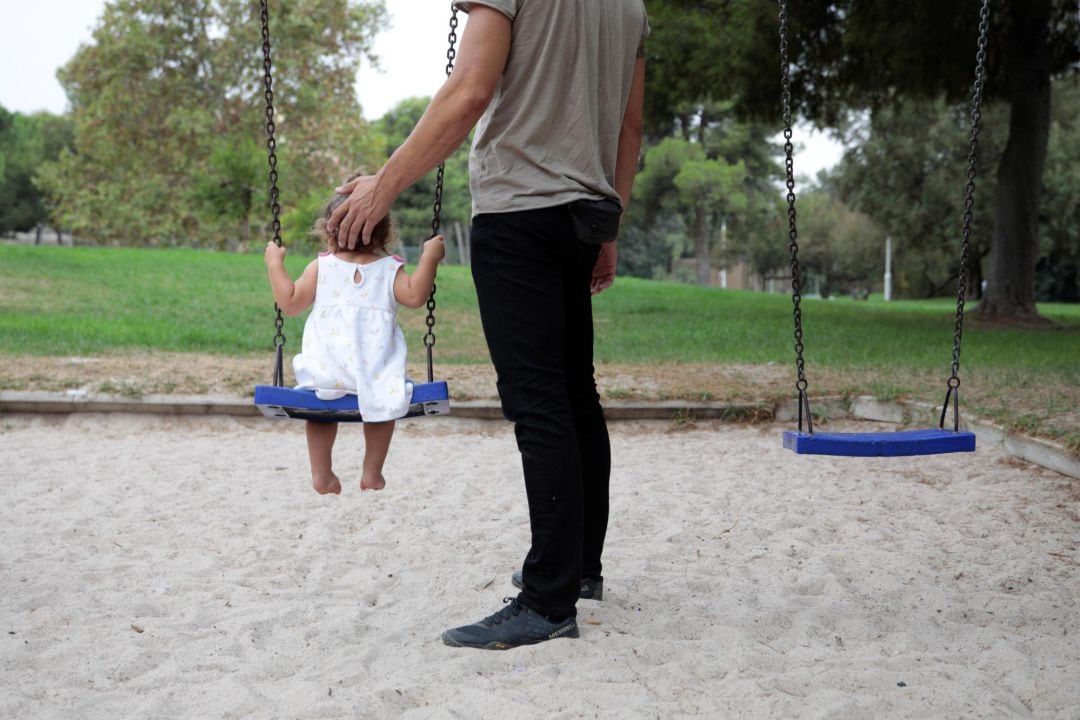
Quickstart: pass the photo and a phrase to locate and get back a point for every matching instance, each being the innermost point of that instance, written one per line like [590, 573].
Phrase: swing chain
[451, 55]
[793, 234]
[436, 219]
[275, 206]
[953, 393]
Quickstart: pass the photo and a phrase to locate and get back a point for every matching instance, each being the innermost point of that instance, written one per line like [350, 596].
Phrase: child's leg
[320, 443]
[376, 446]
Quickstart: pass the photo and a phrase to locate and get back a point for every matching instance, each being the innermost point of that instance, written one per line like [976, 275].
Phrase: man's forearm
[446, 123]
[630, 135]
[626, 163]
[458, 105]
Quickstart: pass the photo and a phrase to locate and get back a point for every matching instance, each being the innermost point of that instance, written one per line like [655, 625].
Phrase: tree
[1030, 49]
[1058, 276]
[678, 176]
[906, 171]
[236, 175]
[646, 249]
[838, 246]
[854, 55]
[708, 131]
[27, 141]
[168, 98]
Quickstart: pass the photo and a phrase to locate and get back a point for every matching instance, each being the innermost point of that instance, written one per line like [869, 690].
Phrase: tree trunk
[1010, 291]
[245, 237]
[462, 244]
[684, 126]
[975, 276]
[701, 246]
[38, 229]
[243, 227]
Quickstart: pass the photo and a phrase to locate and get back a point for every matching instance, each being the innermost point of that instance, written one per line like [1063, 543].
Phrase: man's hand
[356, 218]
[603, 274]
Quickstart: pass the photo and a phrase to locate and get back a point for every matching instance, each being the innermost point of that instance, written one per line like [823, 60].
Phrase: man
[558, 89]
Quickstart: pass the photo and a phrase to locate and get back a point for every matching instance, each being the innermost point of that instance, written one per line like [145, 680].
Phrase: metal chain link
[793, 233]
[436, 220]
[451, 55]
[275, 205]
[953, 393]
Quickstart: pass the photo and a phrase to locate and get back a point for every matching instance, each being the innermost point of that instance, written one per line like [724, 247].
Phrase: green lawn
[63, 301]
[96, 301]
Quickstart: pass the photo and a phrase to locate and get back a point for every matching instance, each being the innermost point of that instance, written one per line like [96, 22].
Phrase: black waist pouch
[596, 221]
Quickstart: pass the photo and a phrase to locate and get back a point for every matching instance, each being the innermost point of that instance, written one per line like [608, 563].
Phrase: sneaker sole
[449, 640]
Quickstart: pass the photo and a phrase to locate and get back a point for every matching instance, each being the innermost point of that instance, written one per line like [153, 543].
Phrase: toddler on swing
[352, 342]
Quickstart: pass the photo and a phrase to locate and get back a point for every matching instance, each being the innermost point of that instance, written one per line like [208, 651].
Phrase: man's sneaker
[512, 626]
[591, 588]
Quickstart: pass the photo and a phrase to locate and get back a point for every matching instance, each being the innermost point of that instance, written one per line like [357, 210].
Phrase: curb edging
[1040, 452]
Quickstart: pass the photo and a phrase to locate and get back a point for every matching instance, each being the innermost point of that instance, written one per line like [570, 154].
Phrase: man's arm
[626, 162]
[455, 109]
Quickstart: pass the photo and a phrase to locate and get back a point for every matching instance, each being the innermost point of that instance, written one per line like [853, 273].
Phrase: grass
[86, 301]
[100, 301]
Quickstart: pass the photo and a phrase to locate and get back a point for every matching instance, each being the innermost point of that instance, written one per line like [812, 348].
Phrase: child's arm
[292, 298]
[413, 291]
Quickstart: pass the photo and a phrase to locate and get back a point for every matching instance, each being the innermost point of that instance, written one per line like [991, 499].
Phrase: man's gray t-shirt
[551, 132]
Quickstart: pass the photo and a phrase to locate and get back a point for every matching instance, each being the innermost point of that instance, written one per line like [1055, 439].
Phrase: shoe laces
[513, 609]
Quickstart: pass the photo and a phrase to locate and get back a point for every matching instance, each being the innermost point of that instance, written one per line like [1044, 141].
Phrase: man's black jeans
[532, 280]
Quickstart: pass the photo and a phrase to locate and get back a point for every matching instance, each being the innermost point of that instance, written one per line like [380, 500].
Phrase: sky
[38, 37]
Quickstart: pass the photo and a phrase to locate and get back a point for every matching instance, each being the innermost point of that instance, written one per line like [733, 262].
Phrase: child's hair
[381, 236]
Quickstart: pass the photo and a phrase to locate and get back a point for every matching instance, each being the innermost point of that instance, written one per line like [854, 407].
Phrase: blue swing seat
[431, 398]
[885, 444]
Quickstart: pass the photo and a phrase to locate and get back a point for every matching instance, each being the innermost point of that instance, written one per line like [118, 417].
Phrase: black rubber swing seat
[432, 398]
[885, 444]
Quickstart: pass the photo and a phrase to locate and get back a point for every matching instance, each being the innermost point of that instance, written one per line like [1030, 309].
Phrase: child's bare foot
[326, 484]
[372, 481]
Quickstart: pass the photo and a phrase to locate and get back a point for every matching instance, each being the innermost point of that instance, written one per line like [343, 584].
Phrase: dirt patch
[1047, 409]
[138, 374]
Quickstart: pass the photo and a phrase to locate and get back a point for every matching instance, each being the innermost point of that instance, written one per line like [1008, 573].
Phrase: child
[352, 342]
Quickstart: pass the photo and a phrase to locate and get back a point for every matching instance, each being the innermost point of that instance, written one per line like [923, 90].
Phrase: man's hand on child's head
[356, 218]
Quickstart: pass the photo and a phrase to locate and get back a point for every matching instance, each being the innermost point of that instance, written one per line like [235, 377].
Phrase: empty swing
[886, 444]
[278, 401]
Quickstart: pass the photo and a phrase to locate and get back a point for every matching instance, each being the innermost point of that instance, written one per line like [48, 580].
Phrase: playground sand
[182, 568]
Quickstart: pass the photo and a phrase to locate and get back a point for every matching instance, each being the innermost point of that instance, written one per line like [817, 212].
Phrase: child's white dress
[352, 342]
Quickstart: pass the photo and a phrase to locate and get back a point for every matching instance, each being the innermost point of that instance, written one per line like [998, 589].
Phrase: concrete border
[1040, 452]
[80, 402]
[83, 402]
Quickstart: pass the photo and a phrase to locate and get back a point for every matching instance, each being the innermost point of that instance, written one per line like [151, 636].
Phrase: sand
[182, 568]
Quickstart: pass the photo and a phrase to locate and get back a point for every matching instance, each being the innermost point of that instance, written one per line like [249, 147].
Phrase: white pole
[723, 248]
[888, 268]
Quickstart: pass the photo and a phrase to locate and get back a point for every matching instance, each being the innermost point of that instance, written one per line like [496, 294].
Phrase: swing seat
[883, 444]
[431, 398]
